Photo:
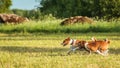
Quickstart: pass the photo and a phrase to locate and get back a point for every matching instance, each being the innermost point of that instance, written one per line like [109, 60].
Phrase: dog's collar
[72, 42]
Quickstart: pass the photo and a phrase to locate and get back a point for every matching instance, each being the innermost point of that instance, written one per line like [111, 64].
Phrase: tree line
[107, 9]
[92, 8]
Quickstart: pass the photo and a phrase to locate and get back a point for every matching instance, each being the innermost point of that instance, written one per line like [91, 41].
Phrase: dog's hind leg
[90, 52]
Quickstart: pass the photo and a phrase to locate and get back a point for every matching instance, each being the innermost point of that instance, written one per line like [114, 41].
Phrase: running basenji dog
[74, 44]
[99, 46]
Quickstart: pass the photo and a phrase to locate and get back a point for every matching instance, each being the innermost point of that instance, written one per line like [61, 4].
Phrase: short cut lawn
[45, 51]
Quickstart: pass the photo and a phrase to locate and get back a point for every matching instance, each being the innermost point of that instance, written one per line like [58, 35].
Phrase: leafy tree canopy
[91, 8]
[4, 5]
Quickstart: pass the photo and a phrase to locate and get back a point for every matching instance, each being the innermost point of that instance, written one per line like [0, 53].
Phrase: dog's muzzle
[63, 44]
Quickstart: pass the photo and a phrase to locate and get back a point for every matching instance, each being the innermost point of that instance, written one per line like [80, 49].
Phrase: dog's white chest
[72, 42]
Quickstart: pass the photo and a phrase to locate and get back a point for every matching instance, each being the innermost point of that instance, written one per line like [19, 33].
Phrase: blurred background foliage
[100, 9]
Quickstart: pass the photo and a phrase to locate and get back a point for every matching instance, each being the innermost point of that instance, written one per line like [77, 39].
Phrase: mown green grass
[53, 26]
[45, 51]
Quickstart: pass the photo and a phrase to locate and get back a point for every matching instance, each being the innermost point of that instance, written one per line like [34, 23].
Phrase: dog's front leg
[71, 49]
[100, 53]
[75, 49]
[105, 52]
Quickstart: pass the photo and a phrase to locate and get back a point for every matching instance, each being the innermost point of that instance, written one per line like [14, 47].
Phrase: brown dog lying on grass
[99, 46]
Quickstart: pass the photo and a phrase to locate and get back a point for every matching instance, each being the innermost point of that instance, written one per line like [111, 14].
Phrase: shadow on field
[50, 51]
[114, 51]
[31, 49]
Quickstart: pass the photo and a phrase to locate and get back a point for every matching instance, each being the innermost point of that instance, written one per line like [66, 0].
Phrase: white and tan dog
[99, 46]
[74, 44]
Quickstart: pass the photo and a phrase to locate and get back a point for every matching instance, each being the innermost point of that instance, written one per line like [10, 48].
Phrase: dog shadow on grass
[115, 51]
[46, 51]
[31, 49]
[50, 51]
[21, 49]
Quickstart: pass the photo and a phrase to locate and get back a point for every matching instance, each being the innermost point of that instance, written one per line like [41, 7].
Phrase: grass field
[53, 26]
[45, 51]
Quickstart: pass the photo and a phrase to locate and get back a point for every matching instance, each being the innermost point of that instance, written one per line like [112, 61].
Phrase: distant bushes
[52, 26]
[34, 14]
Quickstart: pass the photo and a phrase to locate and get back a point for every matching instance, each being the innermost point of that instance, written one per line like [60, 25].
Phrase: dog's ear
[93, 39]
[107, 40]
[83, 42]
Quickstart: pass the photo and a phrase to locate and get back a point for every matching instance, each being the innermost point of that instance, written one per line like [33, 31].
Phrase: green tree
[110, 8]
[92, 8]
[5, 5]
[67, 8]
